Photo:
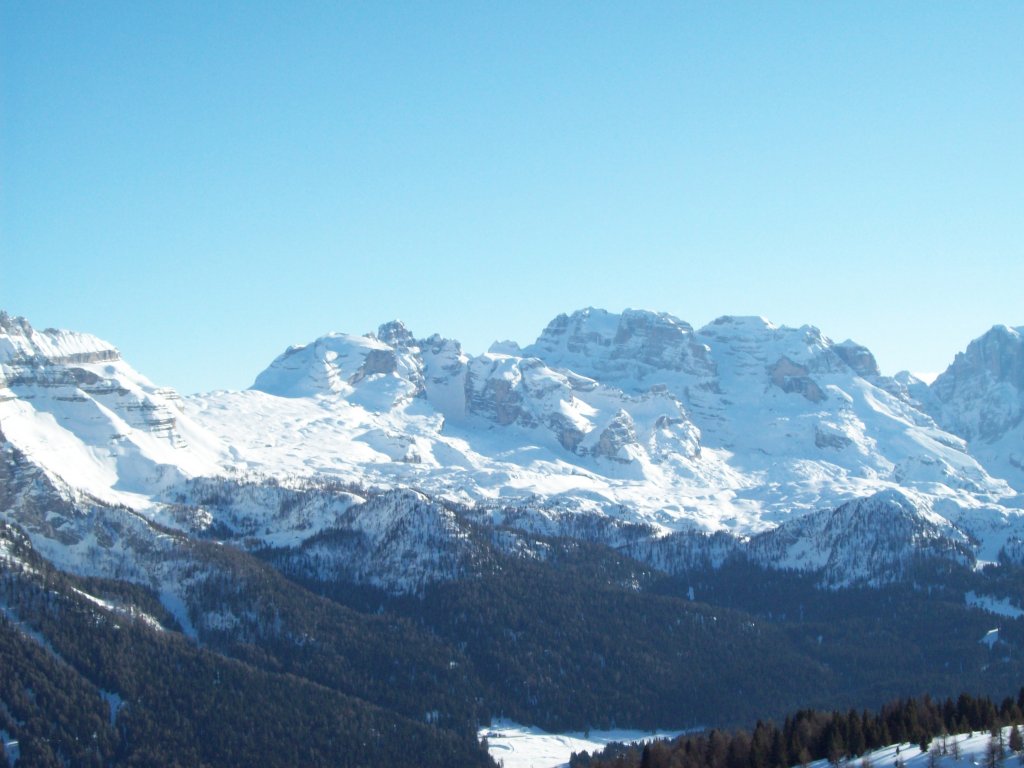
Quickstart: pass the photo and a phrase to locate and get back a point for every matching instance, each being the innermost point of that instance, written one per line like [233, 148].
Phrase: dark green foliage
[182, 705]
[583, 637]
[590, 638]
[278, 625]
[572, 642]
[1016, 741]
[811, 735]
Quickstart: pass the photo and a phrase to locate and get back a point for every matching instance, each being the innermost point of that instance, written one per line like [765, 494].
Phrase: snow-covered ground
[522, 746]
[973, 752]
[519, 746]
[998, 606]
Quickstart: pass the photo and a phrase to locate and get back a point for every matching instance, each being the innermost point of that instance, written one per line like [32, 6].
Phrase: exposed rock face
[396, 335]
[445, 371]
[598, 344]
[825, 437]
[494, 391]
[793, 378]
[376, 363]
[981, 395]
[23, 346]
[67, 367]
[858, 357]
[101, 425]
[619, 433]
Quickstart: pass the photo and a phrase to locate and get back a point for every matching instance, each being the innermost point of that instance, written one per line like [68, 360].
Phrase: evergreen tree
[1016, 740]
[993, 753]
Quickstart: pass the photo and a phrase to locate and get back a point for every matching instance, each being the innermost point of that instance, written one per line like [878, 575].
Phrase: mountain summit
[736, 426]
[634, 419]
[980, 397]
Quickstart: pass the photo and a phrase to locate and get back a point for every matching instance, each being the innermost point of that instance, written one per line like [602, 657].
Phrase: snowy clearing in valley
[521, 746]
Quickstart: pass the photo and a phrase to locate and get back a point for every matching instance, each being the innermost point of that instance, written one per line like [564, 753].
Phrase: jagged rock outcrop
[93, 420]
[980, 397]
[858, 357]
[616, 437]
[791, 377]
[600, 344]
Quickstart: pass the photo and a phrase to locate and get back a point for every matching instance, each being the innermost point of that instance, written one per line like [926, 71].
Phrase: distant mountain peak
[756, 322]
[14, 324]
[396, 334]
[20, 341]
[980, 397]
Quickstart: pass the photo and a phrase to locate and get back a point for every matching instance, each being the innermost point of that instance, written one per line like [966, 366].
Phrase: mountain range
[626, 420]
[697, 486]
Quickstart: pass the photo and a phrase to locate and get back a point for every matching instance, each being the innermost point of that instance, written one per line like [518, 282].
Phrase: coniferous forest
[807, 735]
[324, 672]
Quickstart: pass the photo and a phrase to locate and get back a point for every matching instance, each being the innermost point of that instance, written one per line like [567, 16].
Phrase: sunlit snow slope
[69, 401]
[737, 426]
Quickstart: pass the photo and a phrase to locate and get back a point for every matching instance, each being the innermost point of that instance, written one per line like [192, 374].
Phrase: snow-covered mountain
[633, 429]
[980, 397]
[69, 401]
[737, 426]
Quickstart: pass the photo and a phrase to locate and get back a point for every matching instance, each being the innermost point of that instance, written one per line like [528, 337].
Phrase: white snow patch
[11, 747]
[176, 606]
[93, 599]
[973, 747]
[129, 611]
[999, 606]
[521, 746]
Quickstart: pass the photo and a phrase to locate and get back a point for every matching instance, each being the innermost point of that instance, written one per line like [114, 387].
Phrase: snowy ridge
[980, 397]
[376, 456]
[69, 400]
[870, 541]
[734, 427]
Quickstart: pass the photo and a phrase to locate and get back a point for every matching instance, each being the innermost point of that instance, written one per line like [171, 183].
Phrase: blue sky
[204, 184]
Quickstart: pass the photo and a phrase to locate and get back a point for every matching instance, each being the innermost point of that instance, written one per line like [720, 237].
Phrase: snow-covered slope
[980, 397]
[737, 426]
[867, 541]
[622, 428]
[71, 403]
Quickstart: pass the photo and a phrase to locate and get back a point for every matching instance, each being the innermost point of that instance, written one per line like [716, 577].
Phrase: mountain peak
[396, 334]
[20, 341]
[12, 324]
[858, 357]
[753, 322]
[591, 341]
[997, 355]
[980, 396]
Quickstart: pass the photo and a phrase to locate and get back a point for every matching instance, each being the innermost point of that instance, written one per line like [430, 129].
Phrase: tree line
[809, 735]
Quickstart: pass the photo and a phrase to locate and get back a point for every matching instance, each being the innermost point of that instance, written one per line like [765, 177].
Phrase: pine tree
[993, 753]
[1016, 740]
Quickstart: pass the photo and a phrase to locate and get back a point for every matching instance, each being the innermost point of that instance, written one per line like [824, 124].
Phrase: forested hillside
[837, 736]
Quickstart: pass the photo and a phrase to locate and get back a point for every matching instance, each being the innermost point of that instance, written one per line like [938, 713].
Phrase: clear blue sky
[205, 183]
